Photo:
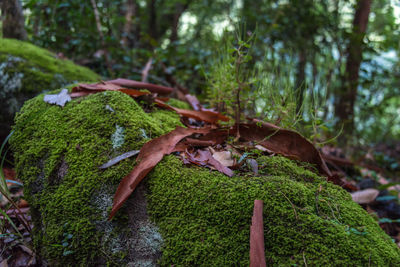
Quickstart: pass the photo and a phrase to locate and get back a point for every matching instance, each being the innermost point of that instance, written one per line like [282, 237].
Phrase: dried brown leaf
[151, 153]
[162, 90]
[207, 116]
[257, 248]
[284, 142]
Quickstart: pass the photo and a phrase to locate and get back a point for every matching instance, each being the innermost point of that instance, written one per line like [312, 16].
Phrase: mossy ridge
[78, 136]
[27, 70]
[46, 61]
[204, 218]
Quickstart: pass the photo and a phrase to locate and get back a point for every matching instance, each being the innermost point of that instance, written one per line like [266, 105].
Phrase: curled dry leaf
[86, 89]
[159, 89]
[205, 158]
[151, 153]
[224, 157]
[365, 196]
[207, 116]
[257, 248]
[285, 142]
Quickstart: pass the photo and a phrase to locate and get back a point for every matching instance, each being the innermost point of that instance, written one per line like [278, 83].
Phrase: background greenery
[301, 46]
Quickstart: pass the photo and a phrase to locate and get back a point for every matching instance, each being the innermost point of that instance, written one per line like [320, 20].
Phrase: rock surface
[26, 71]
[180, 215]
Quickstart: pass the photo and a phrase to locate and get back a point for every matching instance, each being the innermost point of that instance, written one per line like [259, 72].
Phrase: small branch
[293, 206]
[146, 69]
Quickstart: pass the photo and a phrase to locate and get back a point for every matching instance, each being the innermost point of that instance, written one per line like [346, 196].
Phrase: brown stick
[257, 248]
[146, 69]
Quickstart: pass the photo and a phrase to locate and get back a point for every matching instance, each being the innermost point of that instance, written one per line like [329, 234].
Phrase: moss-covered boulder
[27, 70]
[180, 215]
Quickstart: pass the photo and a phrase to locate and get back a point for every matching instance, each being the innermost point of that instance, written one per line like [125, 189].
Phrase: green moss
[204, 218]
[178, 104]
[26, 71]
[42, 61]
[58, 151]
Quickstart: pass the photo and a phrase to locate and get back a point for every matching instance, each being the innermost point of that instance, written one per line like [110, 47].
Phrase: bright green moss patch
[27, 70]
[205, 218]
[58, 151]
[43, 61]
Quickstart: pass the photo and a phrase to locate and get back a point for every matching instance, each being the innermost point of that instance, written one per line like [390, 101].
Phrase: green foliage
[288, 32]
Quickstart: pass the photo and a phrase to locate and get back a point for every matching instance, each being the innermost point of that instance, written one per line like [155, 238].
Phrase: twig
[293, 206]
[146, 69]
[304, 259]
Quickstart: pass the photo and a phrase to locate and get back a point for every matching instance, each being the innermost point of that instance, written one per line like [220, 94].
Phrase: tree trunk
[151, 5]
[128, 36]
[13, 20]
[180, 8]
[347, 97]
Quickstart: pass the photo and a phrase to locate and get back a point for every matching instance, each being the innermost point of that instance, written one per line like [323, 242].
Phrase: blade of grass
[3, 183]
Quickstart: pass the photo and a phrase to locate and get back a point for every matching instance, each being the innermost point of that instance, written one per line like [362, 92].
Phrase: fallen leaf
[205, 158]
[224, 157]
[207, 116]
[59, 99]
[284, 142]
[151, 153]
[84, 89]
[365, 196]
[257, 248]
[117, 159]
[162, 90]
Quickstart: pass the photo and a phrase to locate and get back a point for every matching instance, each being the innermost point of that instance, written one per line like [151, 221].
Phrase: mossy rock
[27, 70]
[180, 215]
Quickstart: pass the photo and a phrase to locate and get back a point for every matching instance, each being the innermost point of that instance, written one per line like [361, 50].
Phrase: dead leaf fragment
[365, 196]
[205, 158]
[84, 89]
[207, 116]
[159, 89]
[117, 159]
[151, 153]
[224, 157]
[257, 248]
[59, 99]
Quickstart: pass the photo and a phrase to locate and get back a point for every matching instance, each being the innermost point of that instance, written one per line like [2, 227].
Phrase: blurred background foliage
[309, 46]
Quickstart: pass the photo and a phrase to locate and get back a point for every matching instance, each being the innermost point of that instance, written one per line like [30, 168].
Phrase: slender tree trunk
[347, 96]
[151, 5]
[13, 20]
[128, 37]
[300, 79]
[180, 8]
